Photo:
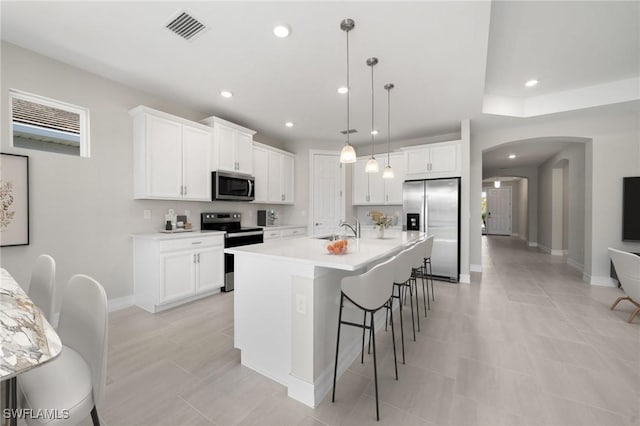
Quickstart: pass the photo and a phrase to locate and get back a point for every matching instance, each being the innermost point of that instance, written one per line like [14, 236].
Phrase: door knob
[318, 223]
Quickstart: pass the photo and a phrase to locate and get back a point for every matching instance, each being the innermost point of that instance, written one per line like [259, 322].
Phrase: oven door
[232, 186]
[236, 240]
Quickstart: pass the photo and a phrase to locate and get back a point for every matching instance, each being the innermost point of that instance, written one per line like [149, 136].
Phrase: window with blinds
[48, 125]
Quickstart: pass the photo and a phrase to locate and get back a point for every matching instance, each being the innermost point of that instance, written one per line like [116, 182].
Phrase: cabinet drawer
[191, 243]
[294, 232]
[271, 235]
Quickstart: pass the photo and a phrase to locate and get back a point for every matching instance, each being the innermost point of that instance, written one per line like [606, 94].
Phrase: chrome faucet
[356, 230]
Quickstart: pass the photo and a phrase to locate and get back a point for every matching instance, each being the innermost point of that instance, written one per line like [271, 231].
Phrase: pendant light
[348, 154]
[372, 164]
[496, 184]
[388, 171]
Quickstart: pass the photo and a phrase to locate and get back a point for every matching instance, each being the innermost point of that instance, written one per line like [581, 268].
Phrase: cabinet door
[261, 173]
[275, 167]
[210, 270]
[287, 178]
[164, 158]
[444, 159]
[244, 152]
[225, 141]
[360, 183]
[177, 275]
[417, 160]
[376, 187]
[196, 169]
[393, 187]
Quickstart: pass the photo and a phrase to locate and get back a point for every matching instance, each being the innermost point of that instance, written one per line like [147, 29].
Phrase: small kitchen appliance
[235, 236]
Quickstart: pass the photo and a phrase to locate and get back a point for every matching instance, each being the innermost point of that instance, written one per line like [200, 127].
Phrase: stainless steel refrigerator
[433, 206]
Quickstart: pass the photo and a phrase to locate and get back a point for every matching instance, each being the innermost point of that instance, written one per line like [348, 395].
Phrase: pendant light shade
[388, 171]
[372, 164]
[348, 154]
[496, 184]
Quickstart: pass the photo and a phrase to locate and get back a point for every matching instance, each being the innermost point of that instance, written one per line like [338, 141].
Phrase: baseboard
[599, 281]
[565, 252]
[120, 303]
[575, 265]
[515, 235]
[465, 278]
[532, 244]
[552, 252]
[475, 268]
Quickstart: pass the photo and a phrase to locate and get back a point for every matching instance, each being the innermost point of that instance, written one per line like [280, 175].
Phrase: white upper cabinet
[171, 157]
[436, 160]
[393, 187]
[274, 171]
[232, 146]
[196, 153]
[371, 188]
[261, 173]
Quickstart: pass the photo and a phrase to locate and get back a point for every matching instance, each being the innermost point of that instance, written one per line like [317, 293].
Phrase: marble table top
[26, 337]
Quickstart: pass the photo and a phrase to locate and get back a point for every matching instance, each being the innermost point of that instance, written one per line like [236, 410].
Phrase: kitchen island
[286, 301]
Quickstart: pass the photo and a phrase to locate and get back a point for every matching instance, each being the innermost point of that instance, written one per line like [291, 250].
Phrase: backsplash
[362, 214]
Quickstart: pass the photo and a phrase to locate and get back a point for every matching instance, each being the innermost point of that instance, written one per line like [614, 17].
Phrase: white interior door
[328, 192]
[499, 211]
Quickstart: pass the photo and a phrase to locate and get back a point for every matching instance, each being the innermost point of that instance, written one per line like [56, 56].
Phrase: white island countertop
[312, 251]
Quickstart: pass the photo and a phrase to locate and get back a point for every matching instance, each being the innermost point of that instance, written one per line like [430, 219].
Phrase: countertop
[312, 251]
[177, 235]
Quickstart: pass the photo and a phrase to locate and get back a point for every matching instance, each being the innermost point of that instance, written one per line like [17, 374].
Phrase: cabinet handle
[197, 242]
[185, 190]
[198, 257]
[387, 196]
[181, 190]
[194, 258]
[282, 197]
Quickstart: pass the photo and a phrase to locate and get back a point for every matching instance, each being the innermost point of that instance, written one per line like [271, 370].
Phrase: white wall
[571, 163]
[82, 210]
[523, 216]
[613, 136]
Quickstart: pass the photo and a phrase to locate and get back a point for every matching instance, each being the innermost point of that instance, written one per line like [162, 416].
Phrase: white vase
[380, 231]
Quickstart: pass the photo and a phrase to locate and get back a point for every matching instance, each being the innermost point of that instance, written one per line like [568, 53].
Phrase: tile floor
[526, 343]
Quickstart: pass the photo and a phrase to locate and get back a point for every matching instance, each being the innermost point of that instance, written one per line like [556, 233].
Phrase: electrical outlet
[301, 304]
[147, 214]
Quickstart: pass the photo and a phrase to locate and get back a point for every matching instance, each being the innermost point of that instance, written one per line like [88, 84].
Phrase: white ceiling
[436, 53]
[563, 44]
[529, 153]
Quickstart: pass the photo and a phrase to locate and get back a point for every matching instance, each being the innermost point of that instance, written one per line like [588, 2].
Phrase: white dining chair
[42, 287]
[370, 291]
[628, 270]
[76, 379]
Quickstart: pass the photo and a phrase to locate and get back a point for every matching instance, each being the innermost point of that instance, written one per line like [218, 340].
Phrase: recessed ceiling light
[512, 156]
[226, 94]
[288, 124]
[531, 83]
[282, 31]
[374, 132]
[342, 90]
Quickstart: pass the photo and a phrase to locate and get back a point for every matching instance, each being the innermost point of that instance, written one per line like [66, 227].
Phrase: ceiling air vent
[344, 132]
[186, 26]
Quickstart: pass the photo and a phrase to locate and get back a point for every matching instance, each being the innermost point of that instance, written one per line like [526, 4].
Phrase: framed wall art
[14, 200]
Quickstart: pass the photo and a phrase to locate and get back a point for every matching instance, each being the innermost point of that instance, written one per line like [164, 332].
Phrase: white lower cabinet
[169, 271]
[282, 234]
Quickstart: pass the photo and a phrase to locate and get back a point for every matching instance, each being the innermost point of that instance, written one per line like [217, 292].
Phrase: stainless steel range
[236, 236]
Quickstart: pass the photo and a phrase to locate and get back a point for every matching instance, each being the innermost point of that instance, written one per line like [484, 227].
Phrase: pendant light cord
[372, 120]
[348, 89]
[388, 125]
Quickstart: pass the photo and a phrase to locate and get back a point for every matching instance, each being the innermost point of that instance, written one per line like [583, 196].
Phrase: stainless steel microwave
[232, 186]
